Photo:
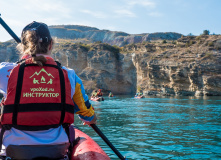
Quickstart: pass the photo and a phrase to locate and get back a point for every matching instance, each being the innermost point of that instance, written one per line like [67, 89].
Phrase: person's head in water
[36, 39]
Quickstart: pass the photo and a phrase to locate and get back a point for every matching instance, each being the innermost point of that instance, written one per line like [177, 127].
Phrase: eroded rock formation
[190, 66]
[101, 66]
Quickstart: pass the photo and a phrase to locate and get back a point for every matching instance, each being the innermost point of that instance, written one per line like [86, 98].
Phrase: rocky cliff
[190, 66]
[8, 52]
[99, 66]
[187, 66]
[90, 34]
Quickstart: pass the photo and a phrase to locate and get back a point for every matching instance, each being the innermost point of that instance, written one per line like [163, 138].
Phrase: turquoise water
[159, 128]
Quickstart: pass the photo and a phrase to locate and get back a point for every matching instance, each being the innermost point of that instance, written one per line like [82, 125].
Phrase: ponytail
[39, 60]
[32, 45]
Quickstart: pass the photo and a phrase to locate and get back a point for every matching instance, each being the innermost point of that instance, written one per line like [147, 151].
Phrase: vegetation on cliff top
[63, 44]
[186, 49]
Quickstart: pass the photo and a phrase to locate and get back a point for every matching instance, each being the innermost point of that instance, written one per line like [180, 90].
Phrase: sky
[130, 16]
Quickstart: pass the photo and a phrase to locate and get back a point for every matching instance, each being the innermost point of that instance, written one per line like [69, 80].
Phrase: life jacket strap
[18, 93]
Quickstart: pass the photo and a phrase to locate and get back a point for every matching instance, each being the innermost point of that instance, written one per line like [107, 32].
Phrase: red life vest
[38, 98]
[99, 93]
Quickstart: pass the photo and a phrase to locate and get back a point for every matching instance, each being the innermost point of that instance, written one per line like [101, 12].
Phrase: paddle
[8, 29]
[98, 131]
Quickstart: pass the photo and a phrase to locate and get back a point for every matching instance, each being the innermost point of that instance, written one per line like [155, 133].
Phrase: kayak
[138, 97]
[87, 148]
[97, 99]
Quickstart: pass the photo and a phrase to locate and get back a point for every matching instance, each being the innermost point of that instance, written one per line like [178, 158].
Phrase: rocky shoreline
[188, 66]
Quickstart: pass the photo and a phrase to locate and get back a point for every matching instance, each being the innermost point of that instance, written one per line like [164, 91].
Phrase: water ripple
[160, 128]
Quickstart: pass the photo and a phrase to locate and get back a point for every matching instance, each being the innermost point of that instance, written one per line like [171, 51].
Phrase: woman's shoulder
[69, 70]
[71, 74]
[5, 69]
[7, 66]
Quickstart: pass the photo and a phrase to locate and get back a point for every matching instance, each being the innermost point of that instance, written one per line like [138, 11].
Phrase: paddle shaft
[8, 29]
[98, 131]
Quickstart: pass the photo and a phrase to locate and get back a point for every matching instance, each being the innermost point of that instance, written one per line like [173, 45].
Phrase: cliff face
[101, 66]
[8, 52]
[189, 66]
[90, 34]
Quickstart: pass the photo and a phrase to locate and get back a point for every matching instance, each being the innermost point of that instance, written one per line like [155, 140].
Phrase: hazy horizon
[132, 17]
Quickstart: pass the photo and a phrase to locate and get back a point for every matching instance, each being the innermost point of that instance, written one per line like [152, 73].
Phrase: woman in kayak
[111, 94]
[94, 94]
[99, 93]
[41, 97]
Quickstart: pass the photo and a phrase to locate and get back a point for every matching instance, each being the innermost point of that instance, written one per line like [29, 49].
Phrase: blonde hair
[31, 44]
